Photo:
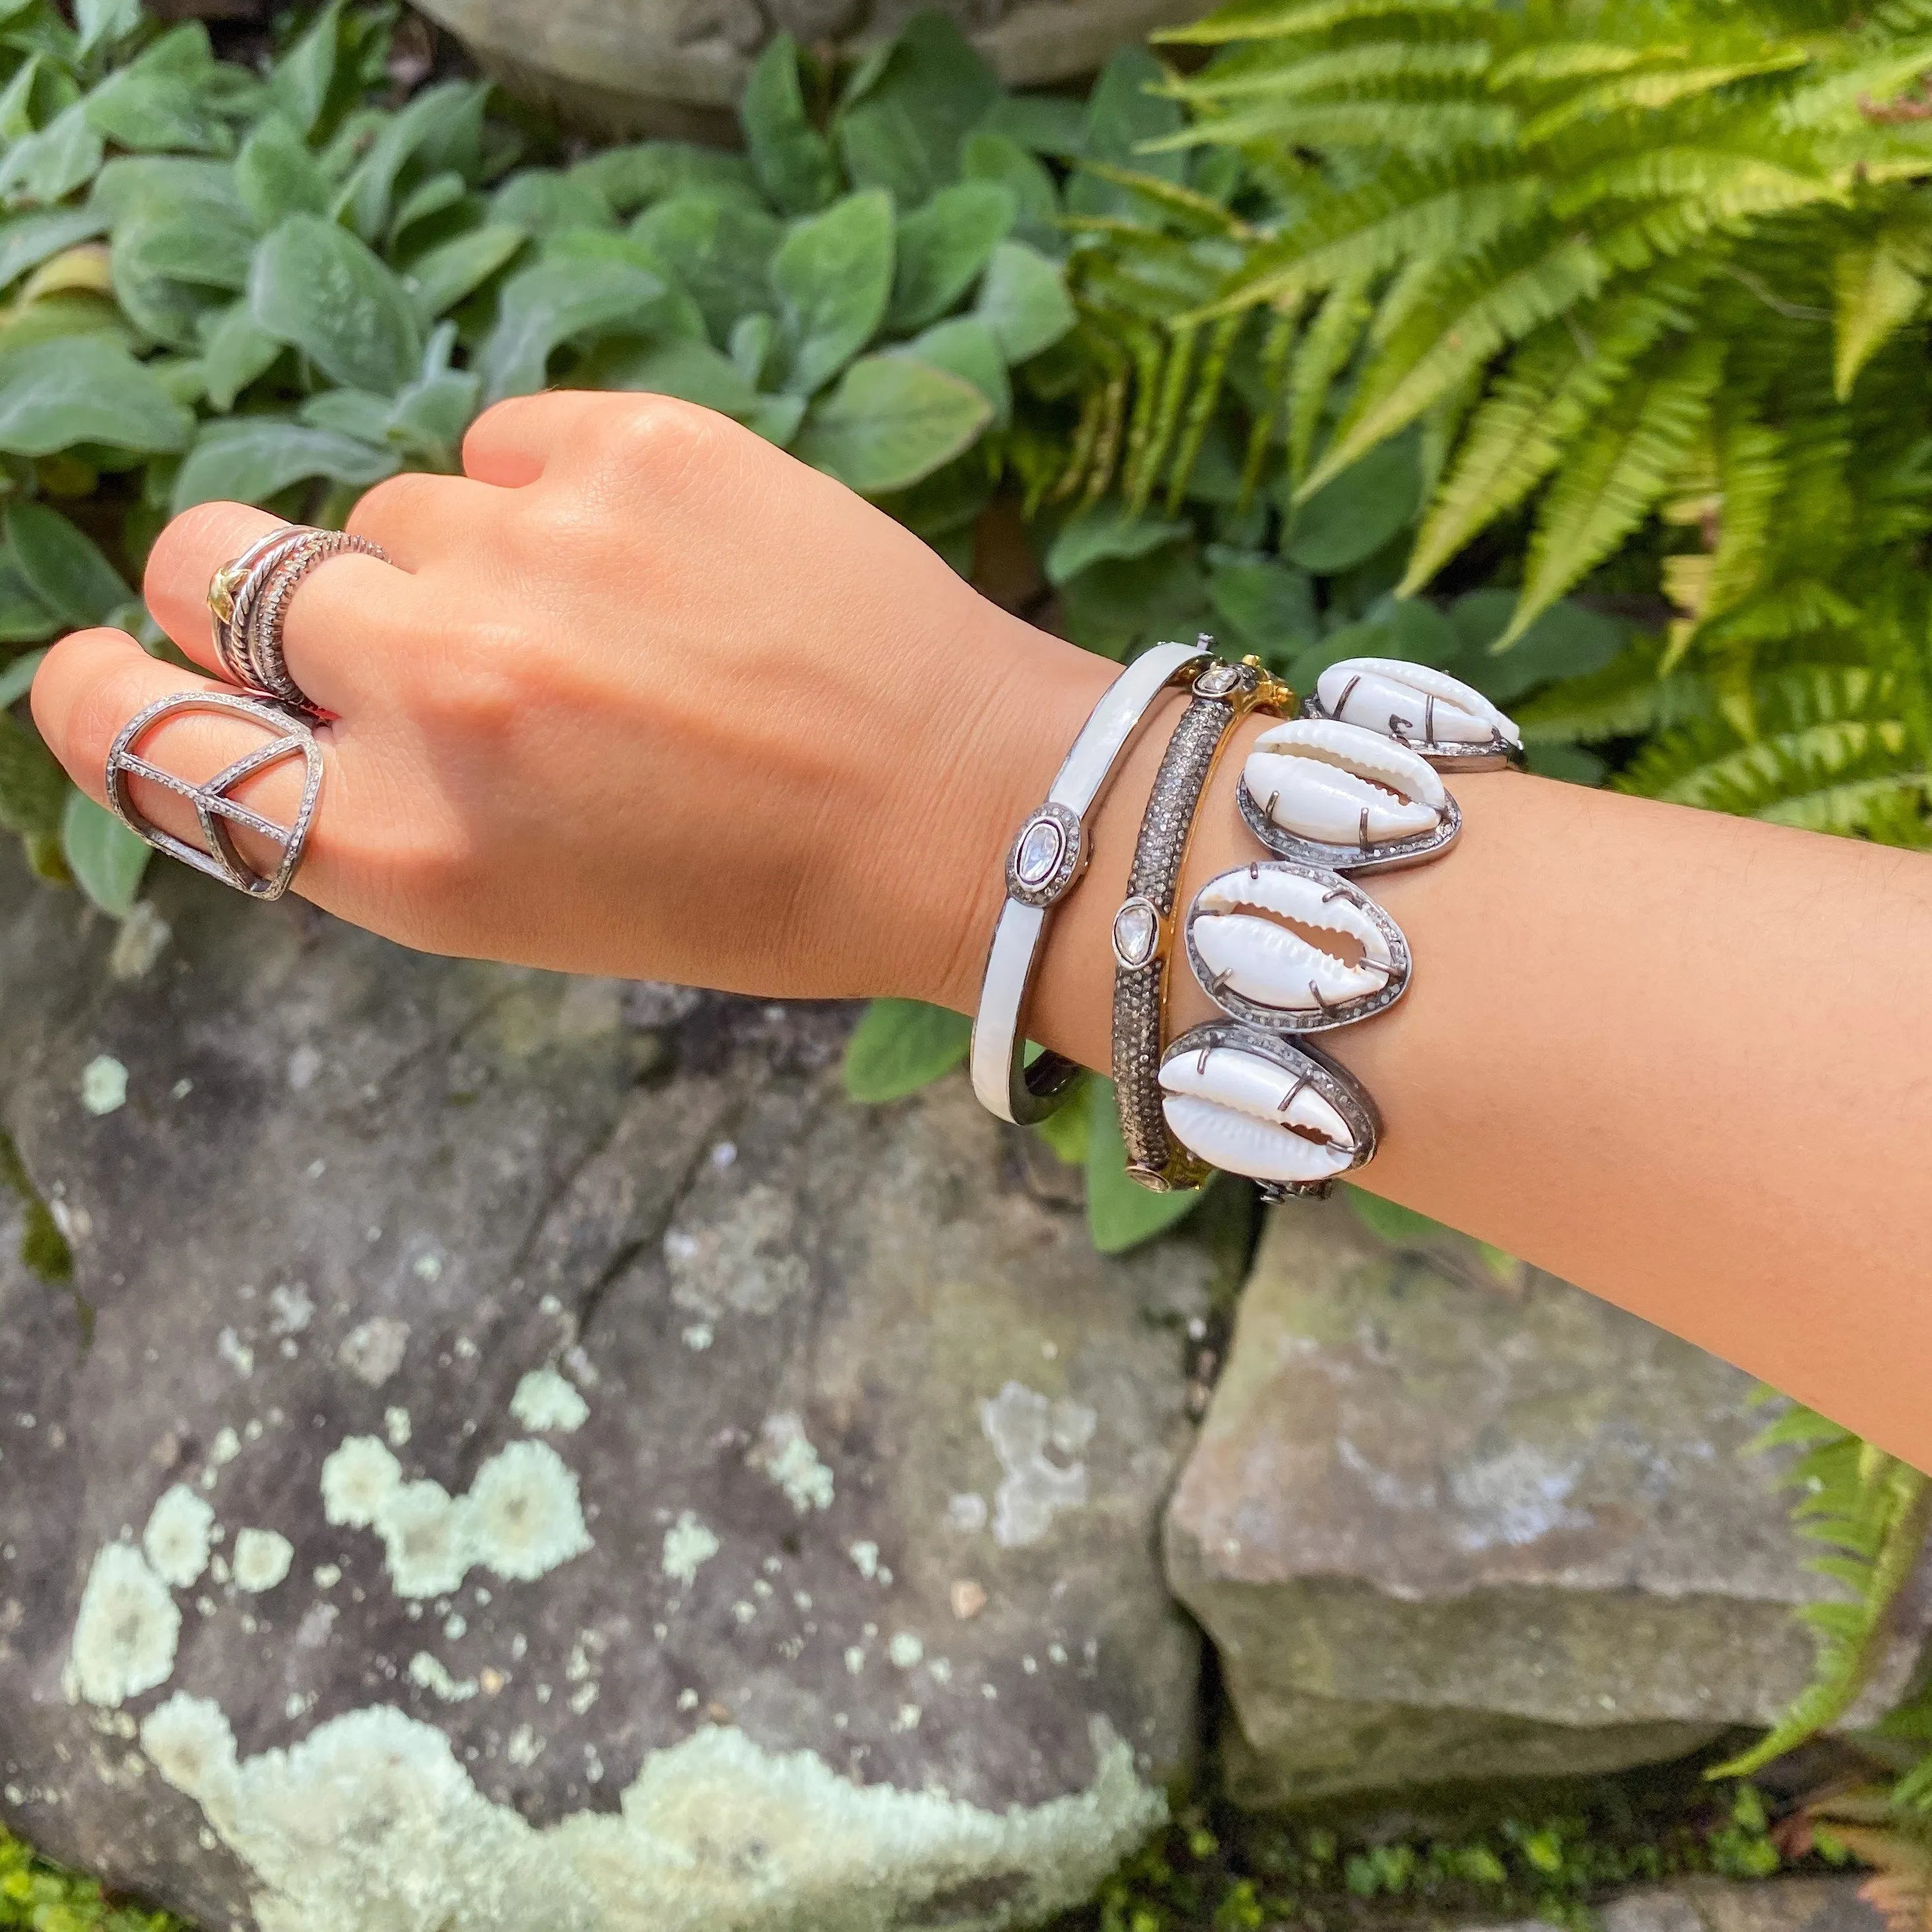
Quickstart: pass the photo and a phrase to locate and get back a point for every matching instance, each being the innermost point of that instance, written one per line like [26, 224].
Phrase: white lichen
[104, 1084]
[429, 1673]
[1020, 1423]
[544, 1400]
[178, 1537]
[793, 1463]
[396, 1426]
[371, 1822]
[426, 1547]
[124, 1636]
[224, 1448]
[358, 1477]
[291, 1308]
[865, 1555]
[188, 1741]
[373, 1351]
[524, 1517]
[688, 1544]
[261, 1559]
[905, 1650]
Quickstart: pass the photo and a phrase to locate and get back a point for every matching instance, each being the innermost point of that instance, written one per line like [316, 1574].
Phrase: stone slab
[518, 1452]
[1438, 1530]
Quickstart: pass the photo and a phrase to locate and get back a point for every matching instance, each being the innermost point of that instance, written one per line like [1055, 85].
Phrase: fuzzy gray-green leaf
[792, 159]
[892, 420]
[249, 459]
[61, 565]
[833, 277]
[316, 287]
[942, 247]
[82, 389]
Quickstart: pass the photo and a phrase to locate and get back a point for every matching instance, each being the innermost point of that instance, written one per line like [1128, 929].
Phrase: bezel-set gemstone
[1041, 846]
[1136, 927]
[1217, 680]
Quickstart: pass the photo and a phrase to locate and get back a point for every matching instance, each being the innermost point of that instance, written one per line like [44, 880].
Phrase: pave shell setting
[1294, 948]
[1285, 1115]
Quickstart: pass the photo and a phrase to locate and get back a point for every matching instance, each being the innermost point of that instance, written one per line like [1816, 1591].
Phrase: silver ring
[289, 737]
[248, 600]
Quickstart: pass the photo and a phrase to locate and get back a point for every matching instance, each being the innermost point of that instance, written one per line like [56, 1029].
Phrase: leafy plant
[283, 287]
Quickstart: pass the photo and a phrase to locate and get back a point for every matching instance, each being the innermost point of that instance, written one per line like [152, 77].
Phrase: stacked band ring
[249, 598]
[1288, 947]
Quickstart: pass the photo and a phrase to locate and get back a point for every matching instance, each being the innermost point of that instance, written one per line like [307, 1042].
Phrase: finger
[417, 518]
[346, 612]
[512, 442]
[91, 683]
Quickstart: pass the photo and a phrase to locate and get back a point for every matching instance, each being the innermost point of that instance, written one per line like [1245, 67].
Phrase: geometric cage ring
[288, 737]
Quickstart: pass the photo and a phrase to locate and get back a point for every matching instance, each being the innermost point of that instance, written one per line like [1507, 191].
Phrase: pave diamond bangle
[1144, 927]
[1044, 863]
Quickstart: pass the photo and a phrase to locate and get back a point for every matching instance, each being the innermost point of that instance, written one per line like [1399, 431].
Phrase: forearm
[1660, 1052]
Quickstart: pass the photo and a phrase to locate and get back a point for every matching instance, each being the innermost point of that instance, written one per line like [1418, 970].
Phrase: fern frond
[1877, 290]
[1403, 211]
[1875, 1511]
[1486, 307]
[1727, 185]
[1278, 20]
[1574, 60]
[1413, 128]
[1555, 384]
[1325, 348]
[1630, 697]
[1615, 475]
[1653, 88]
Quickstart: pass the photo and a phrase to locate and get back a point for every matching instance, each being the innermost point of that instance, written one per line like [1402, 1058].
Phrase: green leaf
[236, 349]
[941, 249]
[442, 128]
[1877, 288]
[316, 287]
[1389, 1221]
[1042, 123]
[1067, 1131]
[61, 566]
[901, 1045]
[453, 271]
[540, 201]
[350, 412]
[1107, 532]
[1024, 300]
[162, 101]
[303, 79]
[249, 459]
[901, 131]
[1269, 607]
[544, 305]
[106, 858]
[181, 233]
[965, 347]
[1123, 114]
[77, 389]
[33, 788]
[632, 177]
[833, 276]
[991, 158]
[16, 679]
[1567, 641]
[693, 371]
[721, 250]
[1347, 521]
[48, 166]
[792, 159]
[1120, 1213]
[891, 420]
[104, 23]
[276, 176]
[28, 240]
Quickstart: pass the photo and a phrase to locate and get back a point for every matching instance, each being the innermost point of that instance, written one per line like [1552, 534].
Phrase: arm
[640, 694]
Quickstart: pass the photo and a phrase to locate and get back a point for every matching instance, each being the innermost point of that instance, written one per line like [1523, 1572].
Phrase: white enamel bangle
[1044, 863]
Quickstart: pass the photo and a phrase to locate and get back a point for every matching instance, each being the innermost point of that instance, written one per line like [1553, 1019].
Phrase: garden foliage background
[1577, 348]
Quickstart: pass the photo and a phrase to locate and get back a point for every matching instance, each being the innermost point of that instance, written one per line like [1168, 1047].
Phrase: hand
[636, 694]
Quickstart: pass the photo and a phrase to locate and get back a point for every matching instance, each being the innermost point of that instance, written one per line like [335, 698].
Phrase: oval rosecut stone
[1041, 845]
[1136, 929]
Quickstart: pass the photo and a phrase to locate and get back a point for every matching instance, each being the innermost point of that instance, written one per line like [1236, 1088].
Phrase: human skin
[641, 695]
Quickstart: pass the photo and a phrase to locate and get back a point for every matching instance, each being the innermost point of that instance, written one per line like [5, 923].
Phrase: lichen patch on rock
[545, 1401]
[178, 1536]
[124, 1636]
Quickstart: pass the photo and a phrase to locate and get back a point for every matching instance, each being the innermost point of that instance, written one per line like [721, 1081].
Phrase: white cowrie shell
[1239, 1111]
[1413, 703]
[1341, 785]
[1274, 966]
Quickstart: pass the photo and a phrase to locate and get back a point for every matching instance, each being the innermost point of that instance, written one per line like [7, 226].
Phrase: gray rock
[1710, 1905]
[520, 1453]
[1441, 1529]
[678, 67]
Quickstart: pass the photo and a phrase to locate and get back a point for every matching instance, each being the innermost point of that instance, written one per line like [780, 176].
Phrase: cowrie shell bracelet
[1287, 946]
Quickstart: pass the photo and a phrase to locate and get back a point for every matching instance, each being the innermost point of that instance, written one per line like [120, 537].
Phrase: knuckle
[658, 436]
[398, 501]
